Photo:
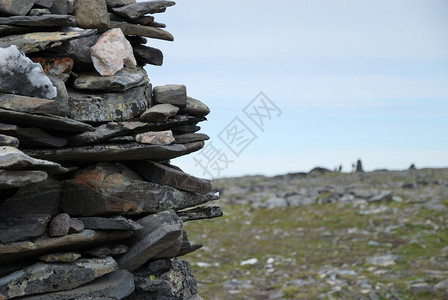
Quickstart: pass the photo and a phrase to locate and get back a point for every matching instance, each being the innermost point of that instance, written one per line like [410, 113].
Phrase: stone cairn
[90, 207]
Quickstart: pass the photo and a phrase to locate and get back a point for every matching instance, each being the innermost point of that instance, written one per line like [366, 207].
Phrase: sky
[341, 80]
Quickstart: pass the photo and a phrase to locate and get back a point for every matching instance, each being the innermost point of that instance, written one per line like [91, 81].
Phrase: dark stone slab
[148, 247]
[118, 3]
[45, 277]
[43, 121]
[106, 189]
[137, 10]
[116, 152]
[106, 250]
[200, 213]
[171, 280]
[7, 30]
[79, 49]
[19, 251]
[186, 129]
[116, 285]
[32, 137]
[191, 137]
[103, 107]
[38, 198]
[38, 41]
[40, 21]
[16, 179]
[114, 223]
[22, 228]
[165, 175]
[141, 30]
[154, 221]
[30, 104]
[114, 129]
[148, 55]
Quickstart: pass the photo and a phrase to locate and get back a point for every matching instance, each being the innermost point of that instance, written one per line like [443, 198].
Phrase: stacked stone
[90, 206]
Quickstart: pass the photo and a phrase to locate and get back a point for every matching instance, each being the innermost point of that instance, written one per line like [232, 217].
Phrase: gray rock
[59, 225]
[18, 74]
[39, 12]
[79, 48]
[20, 251]
[32, 137]
[61, 7]
[137, 10]
[141, 30]
[103, 107]
[44, 20]
[62, 97]
[92, 14]
[145, 20]
[152, 222]
[13, 159]
[191, 137]
[22, 228]
[115, 223]
[44, 278]
[116, 285]
[15, 8]
[114, 129]
[43, 121]
[383, 260]
[118, 3]
[382, 196]
[106, 250]
[44, 3]
[148, 55]
[184, 129]
[116, 152]
[148, 247]
[155, 137]
[38, 41]
[123, 80]
[37, 199]
[106, 189]
[64, 257]
[31, 105]
[195, 108]
[165, 175]
[172, 94]
[76, 225]
[16, 179]
[6, 140]
[173, 281]
[159, 113]
[200, 213]
[441, 286]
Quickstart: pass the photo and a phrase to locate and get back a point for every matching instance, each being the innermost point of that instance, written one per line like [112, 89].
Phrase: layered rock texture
[90, 206]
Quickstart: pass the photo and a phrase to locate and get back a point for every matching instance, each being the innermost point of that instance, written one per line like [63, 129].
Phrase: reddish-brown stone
[56, 67]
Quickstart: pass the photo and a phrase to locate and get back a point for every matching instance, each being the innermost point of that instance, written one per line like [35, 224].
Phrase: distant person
[412, 167]
[340, 169]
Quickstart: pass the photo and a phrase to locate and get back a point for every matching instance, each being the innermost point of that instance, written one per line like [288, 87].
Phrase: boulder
[112, 52]
[19, 75]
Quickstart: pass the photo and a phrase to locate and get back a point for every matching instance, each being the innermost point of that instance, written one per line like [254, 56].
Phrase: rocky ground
[376, 235]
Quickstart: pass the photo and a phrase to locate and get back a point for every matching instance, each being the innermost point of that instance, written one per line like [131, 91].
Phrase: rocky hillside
[327, 235]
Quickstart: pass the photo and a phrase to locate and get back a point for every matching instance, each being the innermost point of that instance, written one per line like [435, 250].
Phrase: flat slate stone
[145, 20]
[6, 140]
[200, 213]
[152, 222]
[32, 137]
[118, 3]
[116, 285]
[106, 250]
[7, 30]
[19, 251]
[44, 277]
[37, 198]
[116, 152]
[38, 41]
[40, 21]
[148, 247]
[103, 107]
[64, 257]
[114, 223]
[107, 189]
[13, 159]
[171, 93]
[22, 228]
[159, 113]
[123, 80]
[185, 129]
[114, 129]
[15, 179]
[43, 121]
[137, 10]
[20, 75]
[30, 105]
[141, 30]
[148, 55]
[165, 175]
[191, 137]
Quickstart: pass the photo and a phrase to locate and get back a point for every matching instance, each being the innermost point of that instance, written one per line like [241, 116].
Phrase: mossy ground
[310, 242]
